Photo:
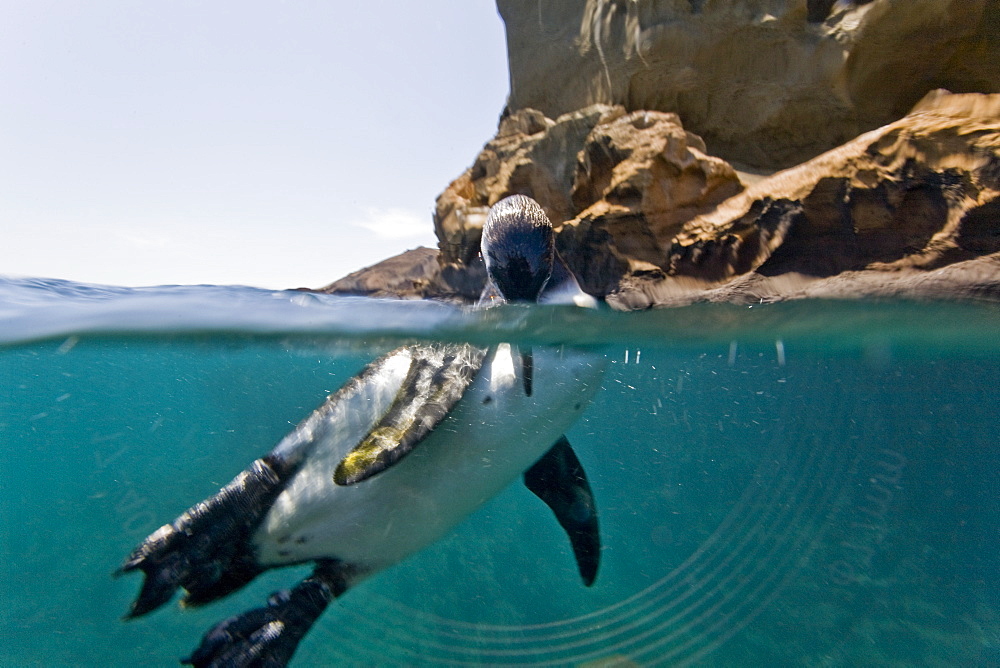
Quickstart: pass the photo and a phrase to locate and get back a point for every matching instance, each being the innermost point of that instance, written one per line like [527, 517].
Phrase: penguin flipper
[206, 550]
[270, 635]
[558, 479]
[437, 378]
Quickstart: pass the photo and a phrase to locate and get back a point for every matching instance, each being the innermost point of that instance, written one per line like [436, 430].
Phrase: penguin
[390, 463]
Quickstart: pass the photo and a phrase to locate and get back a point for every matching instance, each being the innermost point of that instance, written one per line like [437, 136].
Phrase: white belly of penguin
[491, 436]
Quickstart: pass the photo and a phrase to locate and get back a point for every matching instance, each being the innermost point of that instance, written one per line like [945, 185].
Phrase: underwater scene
[810, 483]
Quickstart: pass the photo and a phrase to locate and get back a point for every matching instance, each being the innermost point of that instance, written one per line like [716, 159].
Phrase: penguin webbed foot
[205, 549]
[163, 560]
[259, 637]
[270, 635]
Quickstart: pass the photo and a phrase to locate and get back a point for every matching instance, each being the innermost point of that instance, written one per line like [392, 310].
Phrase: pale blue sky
[257, 143]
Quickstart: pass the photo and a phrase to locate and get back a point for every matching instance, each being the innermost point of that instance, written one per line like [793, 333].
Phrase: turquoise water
[811, 483]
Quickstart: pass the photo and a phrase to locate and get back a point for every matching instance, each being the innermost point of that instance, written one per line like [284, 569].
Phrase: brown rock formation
[910, 209]
[409, 275]
[530, 155]
[616, 186]
[765, 83]
[639, 178]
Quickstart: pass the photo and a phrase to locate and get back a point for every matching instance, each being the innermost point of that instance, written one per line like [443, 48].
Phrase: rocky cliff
[767, 83]
[647, 213]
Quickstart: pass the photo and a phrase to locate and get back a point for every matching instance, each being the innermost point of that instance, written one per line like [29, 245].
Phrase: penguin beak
[527, 368]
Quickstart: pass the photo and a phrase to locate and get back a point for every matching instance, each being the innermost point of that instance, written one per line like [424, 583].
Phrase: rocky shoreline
[650, 214]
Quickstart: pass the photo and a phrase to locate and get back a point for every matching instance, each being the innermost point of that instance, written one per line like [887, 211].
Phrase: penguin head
[518, 248]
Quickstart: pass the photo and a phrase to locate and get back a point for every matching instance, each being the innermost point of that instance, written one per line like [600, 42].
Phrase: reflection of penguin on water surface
[390, 463]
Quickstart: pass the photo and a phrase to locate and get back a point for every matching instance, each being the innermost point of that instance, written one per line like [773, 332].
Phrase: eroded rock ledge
[910, 209]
